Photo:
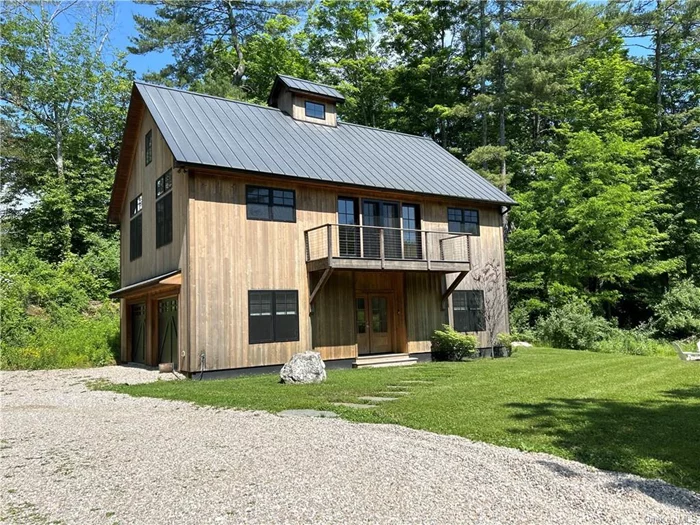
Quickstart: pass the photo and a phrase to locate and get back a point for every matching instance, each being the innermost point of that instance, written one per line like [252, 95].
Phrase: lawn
[616, 412]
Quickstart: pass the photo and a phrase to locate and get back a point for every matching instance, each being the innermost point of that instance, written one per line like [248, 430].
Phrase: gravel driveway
[71, 455]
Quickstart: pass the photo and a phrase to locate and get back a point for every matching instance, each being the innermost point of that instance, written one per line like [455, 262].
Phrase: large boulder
[306, 367]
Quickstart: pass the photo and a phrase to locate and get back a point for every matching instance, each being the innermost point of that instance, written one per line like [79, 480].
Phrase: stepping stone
[307, 413]
[377, 399]
[395, 393]
[416, 382]
[354, 405]
[396, 386]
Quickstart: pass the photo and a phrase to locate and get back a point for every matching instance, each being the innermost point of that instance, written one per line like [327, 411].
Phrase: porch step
[383, 360]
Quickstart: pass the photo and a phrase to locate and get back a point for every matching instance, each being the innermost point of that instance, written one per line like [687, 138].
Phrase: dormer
[304, 100]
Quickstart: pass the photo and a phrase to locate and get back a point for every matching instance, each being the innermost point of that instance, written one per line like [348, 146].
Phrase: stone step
[383, 360]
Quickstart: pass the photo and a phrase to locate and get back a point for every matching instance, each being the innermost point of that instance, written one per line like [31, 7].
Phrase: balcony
[353, 247]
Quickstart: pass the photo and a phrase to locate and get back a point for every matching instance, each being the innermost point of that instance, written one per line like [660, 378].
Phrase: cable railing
[342, 241]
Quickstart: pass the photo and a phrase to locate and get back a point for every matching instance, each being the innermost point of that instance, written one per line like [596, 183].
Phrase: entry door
[167, 332]
[138, 332]
[374, 324]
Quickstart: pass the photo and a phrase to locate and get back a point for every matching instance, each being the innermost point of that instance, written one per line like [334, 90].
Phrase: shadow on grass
[653, 439]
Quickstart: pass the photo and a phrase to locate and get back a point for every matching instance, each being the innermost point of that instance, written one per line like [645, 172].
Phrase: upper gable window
[463, 221]
[269, 204]
[315, 110]
[164, 209]
[149, 147]
[135, 228]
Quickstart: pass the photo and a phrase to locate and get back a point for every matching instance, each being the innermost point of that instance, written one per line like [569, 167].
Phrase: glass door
[412, 248]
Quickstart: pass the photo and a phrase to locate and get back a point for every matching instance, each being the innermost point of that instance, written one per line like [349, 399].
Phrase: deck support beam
[452, 288]
[326, 275]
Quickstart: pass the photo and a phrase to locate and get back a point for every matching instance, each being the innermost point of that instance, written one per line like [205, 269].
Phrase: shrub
[449, 345]
[506, 341]
[572, 326]
[678, 312]
[633, 342]
[520, 328]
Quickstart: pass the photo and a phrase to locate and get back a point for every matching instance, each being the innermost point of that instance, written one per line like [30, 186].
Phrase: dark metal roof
[222, 133]
[306, 86]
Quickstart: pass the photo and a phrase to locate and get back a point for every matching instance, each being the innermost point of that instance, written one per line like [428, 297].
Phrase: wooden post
[306, 244]
[381, 246]
[330, 245]
[427, 249]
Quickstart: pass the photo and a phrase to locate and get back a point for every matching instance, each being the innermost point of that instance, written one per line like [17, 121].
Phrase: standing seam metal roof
[201, 129]
[310, 87]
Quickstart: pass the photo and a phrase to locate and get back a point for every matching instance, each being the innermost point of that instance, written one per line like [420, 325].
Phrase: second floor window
[463, 221]
[164, 209]
[149, 147]
[269, 204]
[315, 110]
[468, 311]
[135, 228]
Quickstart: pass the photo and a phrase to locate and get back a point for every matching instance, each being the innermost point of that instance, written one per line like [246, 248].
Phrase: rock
[306, 367]
[521, 343]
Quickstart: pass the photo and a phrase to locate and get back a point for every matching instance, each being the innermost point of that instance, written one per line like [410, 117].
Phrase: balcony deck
[353, 247]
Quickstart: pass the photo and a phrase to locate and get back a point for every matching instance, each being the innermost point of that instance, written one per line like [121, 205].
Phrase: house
[251, 233]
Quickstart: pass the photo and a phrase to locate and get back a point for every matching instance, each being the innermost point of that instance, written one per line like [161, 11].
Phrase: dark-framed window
[468, 311]
[164, 209]
[348, 231]
[273, 316]
[270, 204]
[149, 147]
[410, 216]
[136, 228]
[462, 220]
[315, 110]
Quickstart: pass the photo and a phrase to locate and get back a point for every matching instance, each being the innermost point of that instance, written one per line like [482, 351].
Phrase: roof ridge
[306, 80]
[386, 131]
[178, 90]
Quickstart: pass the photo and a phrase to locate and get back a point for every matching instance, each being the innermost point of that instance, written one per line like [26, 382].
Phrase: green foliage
[450, 345]
[678, 311]
[639, 341]
[572, 326]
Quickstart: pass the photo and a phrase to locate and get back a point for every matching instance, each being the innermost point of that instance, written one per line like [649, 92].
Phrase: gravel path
[70, 455]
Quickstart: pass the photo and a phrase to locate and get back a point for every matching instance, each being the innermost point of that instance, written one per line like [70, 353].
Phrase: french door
[375, 330]
[384, 214]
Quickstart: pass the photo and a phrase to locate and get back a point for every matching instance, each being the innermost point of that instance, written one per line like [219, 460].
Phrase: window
[463, 221]
[315, 110]
[468, 311]
[348, 231]
[164, 209]
[268, 204]
[412, 248]
[149, 147]
[135, 228]
[273, 316]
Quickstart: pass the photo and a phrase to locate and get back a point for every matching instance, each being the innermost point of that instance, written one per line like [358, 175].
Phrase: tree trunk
[502, 115]
[240, 68]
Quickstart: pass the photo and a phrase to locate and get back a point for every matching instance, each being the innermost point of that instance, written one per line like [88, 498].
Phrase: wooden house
[251, 233]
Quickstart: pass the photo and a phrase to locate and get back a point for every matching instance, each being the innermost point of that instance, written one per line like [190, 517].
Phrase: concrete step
[384, 360]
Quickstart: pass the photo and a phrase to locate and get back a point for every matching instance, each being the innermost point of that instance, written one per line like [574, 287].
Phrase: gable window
[269, 204]
[164, 209]
[149, 147]
[468, 311]
[135, 228]
[273, 316]
[315, 110]
[463, 221]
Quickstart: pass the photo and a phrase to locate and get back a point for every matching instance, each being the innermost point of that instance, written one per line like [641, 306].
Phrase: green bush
[678, 312]
[450, 345]
[572, 326]
[506, 341]
[638, 341]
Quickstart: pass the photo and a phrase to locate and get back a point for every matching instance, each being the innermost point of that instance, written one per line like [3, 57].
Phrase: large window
[463, 221]
[315, 110]
[411, 237]
[348, 231]
[468, 311]
[164, 209]
[269, 204]
[149, 147]
[273, 316]
[135, 228]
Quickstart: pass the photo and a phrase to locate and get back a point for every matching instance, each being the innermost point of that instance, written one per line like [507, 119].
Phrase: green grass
[616, 412]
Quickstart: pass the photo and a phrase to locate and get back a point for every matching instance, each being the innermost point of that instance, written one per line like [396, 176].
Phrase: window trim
[270, 203]
[306, 109]
[479, 322]
[148, 147]
[163, 240]
[135, 213]
[274, 315]
[462, 221]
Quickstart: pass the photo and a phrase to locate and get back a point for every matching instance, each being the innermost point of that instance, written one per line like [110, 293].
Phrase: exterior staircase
[382, 360]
